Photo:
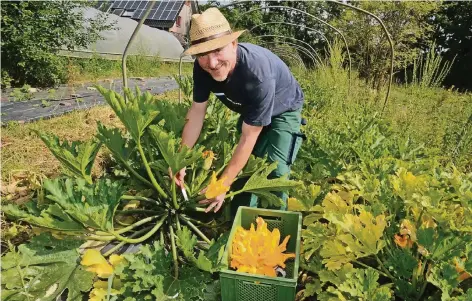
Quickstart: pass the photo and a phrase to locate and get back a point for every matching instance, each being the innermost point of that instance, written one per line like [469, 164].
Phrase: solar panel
[166, 10]
[175, 10]
[119, 4]
[135, 4]
[129, 4]
[161, 11]
[139, 13]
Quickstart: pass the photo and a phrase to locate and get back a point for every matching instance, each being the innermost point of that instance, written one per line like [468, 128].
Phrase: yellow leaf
[96, 263]
[115, 259]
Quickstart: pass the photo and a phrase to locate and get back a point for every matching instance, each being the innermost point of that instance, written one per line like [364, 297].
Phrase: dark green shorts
[280, 141]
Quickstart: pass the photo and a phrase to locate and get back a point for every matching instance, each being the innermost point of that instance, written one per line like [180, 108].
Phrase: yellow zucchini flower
[216, 187]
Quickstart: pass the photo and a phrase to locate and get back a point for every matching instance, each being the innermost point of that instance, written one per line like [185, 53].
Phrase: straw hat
[209, 31]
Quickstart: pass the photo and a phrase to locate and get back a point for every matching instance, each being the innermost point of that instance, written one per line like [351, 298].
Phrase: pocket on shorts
[297, 140]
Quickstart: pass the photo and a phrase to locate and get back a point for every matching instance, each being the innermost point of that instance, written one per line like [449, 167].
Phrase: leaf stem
[135, 173]
[138, 198]
[148, 169]
[174, 252]
[101, 234]
[369, 267]
[425, 283]
[383, 267]
[177, 222]
[115, 248]
[135, 211]
[195, 229]
[144, 237]
[195, 209]
[161, 234]
[174, 194]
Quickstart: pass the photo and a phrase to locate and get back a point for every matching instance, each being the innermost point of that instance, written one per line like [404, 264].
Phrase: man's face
[220, 62]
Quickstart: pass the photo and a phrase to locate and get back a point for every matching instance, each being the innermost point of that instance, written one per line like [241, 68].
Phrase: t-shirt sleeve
[201, 86]
[261, 104]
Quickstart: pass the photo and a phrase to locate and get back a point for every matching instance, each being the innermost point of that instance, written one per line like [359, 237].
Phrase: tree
[34, 31]
[453, 34]
[407, 23]
[237, 16]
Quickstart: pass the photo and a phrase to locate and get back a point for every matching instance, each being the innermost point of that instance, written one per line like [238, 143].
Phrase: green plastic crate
[237, 286]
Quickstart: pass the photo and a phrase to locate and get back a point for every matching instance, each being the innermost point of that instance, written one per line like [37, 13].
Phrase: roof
[163, 13]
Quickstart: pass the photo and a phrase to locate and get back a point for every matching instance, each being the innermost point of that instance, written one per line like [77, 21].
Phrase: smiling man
[251, 81]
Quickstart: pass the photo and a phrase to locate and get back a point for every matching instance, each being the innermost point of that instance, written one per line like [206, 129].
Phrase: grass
[440, 119]
[81, 70]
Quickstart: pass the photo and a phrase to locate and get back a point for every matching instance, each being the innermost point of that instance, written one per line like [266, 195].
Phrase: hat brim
[213, 44]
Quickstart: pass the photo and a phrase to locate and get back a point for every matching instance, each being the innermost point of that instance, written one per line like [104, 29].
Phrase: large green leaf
[92, 205]
[359, 236]
[444, 276]
[120, 147]
[43, 269]
[186, 242]
[259, 184]
[136, 113]
[169, 151]
[53, 217]
[124, 150]
[314, 236]
[77, 157]
[144, 281]
[354, 284]
[171, 116]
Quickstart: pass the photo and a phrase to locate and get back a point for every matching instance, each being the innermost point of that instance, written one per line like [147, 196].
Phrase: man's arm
[192, 128]
[242, 153]
[194, 123]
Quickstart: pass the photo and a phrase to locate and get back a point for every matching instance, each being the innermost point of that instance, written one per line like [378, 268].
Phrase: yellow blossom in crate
[257, 251]
[96, 263]
[216, 187]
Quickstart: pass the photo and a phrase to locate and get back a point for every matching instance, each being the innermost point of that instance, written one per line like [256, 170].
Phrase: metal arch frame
[288, 51]
[282, 36]
[282, 52]
[392, 50]
[131, 39]
[293, 24]
[298, 47]
[305, 13]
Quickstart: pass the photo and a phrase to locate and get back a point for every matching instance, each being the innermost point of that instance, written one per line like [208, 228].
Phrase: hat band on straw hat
[212, 37]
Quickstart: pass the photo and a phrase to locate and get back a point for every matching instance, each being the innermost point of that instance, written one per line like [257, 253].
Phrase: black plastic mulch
[46, 104]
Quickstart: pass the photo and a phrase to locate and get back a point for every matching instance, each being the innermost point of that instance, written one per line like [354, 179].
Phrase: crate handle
[270, 218]
[256, 283]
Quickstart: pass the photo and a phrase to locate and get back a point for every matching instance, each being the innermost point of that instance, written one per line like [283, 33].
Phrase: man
[249, 80]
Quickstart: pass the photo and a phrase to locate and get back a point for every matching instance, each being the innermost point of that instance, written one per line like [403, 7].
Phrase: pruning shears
[184, 193]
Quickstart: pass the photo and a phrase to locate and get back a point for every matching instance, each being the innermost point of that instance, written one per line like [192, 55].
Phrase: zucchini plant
[141, 201]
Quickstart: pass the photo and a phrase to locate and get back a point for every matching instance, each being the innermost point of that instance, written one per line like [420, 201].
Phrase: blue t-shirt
[260, 87]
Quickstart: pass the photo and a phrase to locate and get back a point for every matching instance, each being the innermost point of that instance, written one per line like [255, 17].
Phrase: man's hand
[214, 203]
[238, 161]
[179, 177]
